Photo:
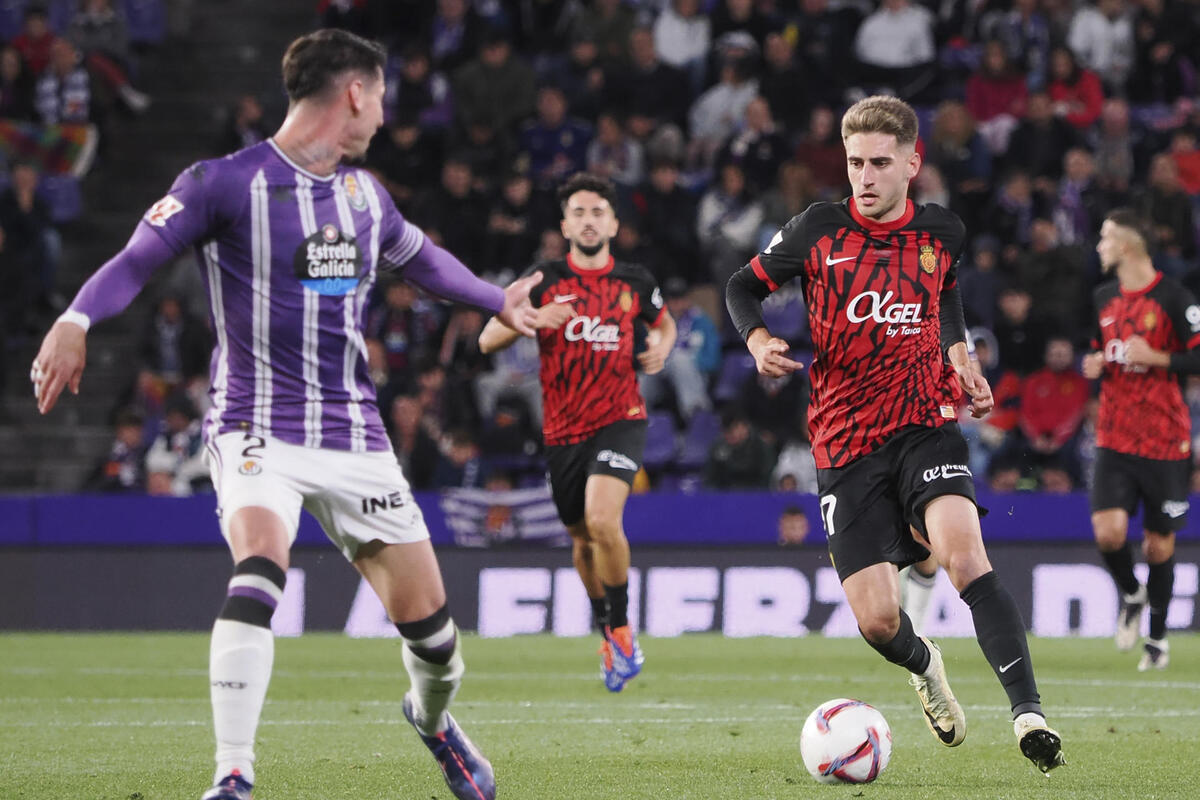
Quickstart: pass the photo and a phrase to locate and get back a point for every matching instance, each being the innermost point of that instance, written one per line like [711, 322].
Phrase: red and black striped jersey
[587, 366]
[873, 295]
[1142, 410]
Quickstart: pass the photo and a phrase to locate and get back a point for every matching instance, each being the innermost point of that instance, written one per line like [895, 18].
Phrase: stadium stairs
[233, 48]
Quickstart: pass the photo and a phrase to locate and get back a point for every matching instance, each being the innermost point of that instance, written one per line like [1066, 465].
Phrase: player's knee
[964, 567]
[254, 591]
[1158, 549]
[879, 628]
[1110, 534]
[603, 526]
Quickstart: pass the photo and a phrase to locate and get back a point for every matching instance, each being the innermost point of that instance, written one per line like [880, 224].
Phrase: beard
[590, 250]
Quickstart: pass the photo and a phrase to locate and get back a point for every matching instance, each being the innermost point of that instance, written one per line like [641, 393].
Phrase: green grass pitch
[126, 717]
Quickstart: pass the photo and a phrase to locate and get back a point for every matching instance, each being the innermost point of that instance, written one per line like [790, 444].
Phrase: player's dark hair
[587, 182]
[881, 114]
[313, 62]
[1131, 220]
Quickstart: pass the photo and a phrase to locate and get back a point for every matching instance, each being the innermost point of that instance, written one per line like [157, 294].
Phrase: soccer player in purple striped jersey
[291, 240]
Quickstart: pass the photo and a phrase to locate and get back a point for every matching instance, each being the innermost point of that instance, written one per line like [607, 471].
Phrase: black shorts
[614, 450]
[1121, 481]
[868, 505]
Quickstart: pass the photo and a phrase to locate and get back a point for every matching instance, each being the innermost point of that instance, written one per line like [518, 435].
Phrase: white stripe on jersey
[376, 223]
[312, 304]
[411, 240]
[356, 348]
[220, 385]
[260, 227]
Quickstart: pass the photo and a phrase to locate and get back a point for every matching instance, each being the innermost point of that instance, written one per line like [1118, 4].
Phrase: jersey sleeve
[399, 239]
[537, 293]
[193, 208]
[784, 257]
[650, 297]
[950, 230]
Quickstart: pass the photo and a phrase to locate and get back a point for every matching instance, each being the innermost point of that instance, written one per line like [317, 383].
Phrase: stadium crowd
[718, 121]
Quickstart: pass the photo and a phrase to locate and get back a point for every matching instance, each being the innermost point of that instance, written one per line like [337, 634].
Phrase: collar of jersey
[872, 225]
[1139, 292]
[279, 152]
[590, 273]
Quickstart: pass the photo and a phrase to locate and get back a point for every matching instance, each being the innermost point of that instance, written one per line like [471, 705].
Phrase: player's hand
[654, 357]
[59, 364]
[553, 315]
[770, 354]
[518, 313]
[1139, 353]
[976, 386]
[1093, 366]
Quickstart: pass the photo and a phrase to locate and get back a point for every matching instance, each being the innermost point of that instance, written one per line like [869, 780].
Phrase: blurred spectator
[650, 92]
[796, 470]
[489, 152]
[1163, 34]
[1020, 339]
[454, 214]
[64, 93]
[405, 159]
[609, 23]
[123, 469]
[682, 37]
[930, 187]
[1076, 91]
[1112, 143]
[460, 466]
[1101, 37]
[512, 228]
[100, 33]
[1054, 273]
[31, 244]
[175, 462]
[556, 144]
[758, 147]
[407, 326]
[1169, 209]
[1040, 142]
[419, 91]
[895, 50]
[442, 407]
[1012, 211]
[739, 459]
[614, 154]
[582, 78]
[459, 355]
[822, 151]
[415, 449]
[986, 436]
[1185, 150]
[349, 15]
[727, 223]
[176, 346]
[715, 115]
[692, 362]
[1081, 204]
[1053, 401]
[244, 127]
[514, 374]
[824, 36]
[666, 215]
[730, 16]
[35, 39]
[793, 526]
[794, 191]
[497, 85]
[979, 281]
[1025, 33]
[778, 406]
[454, 35]
[785, 87]
[16, 86]
[996, 97]
[16, 301]
[958, 150]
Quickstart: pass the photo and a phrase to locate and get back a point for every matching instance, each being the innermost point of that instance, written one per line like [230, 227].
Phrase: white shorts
[356, 497]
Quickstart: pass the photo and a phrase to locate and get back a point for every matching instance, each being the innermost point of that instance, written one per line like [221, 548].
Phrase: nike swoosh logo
[829, 262]
[946, 736]
[565, 298]
[1107, 321]
[1009, 665]
[956, 474]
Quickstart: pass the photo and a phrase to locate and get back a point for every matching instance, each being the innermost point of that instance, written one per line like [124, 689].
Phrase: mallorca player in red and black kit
[878, 275]
[595, 419]
[1146, 338]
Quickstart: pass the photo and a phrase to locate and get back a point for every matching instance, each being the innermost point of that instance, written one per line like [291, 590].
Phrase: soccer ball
[845, 740]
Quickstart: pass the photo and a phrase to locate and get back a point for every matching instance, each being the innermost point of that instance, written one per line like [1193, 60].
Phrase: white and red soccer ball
[845, 741]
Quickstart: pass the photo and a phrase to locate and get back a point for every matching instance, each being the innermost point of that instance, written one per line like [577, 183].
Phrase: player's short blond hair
[881, 114]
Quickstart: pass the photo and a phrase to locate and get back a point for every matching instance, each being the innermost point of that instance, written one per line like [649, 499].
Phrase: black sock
[618, 604]
[1159, 588]
[599, 612]
[905, 648]
[1120, 565]
[1001, 634]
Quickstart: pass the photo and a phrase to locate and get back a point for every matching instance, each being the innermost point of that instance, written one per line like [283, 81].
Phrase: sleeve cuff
[76, 318]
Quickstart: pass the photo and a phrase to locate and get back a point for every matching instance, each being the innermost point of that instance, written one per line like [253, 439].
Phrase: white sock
[916, 591]
[433, 685]
[239, 670]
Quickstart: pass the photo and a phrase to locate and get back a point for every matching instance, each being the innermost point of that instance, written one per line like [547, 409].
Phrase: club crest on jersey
[328, 262]
[358, 200]
[626, 301]
[927, 258]
[1149, 320]
[162, 211]
[250, 467]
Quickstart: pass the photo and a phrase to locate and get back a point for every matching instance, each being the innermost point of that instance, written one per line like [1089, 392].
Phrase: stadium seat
[701, 432]
[736, 367]
[660, 440]
[147, 20]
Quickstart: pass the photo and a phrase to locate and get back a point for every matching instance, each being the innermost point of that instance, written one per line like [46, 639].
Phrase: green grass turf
[126, 717]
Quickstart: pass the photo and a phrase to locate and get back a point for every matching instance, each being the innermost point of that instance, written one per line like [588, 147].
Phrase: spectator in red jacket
[1053, 403]
[1077, 94]
[996, 97]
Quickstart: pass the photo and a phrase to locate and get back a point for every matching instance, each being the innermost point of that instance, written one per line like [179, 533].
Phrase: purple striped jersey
[289, 258]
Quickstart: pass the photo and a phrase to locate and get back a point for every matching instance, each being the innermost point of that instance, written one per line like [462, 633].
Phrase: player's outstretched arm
[971, 380]
[496, 335]
[438, 272]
